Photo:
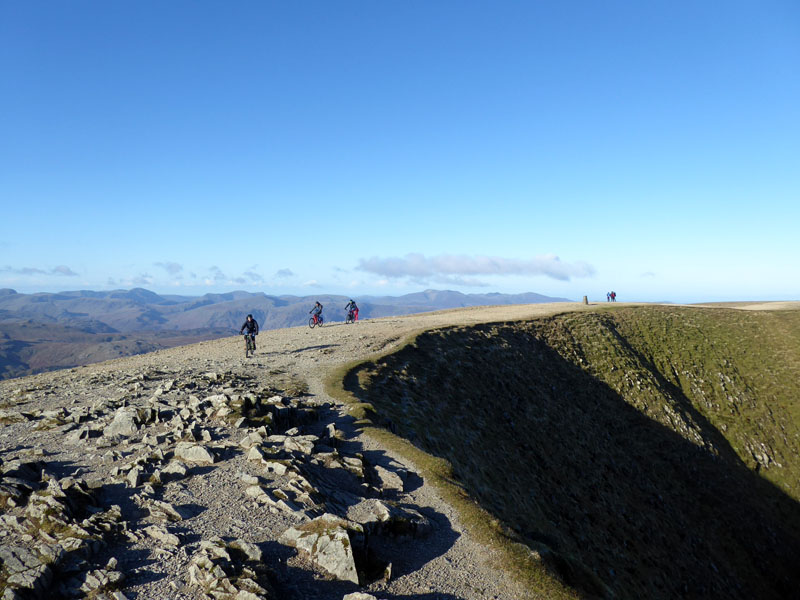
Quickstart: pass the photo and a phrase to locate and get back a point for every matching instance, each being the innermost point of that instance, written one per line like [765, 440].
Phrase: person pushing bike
[352, 311]
[249, 337]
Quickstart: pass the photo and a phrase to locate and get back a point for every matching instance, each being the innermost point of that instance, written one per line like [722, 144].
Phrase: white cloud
[217, 274]
[453, 269]
[61, 270]
[143, 279]
[64, 270]
[172, 268]
[464, 281]
[251, 277]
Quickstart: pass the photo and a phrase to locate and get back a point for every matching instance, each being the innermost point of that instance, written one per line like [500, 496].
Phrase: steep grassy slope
[643, 452]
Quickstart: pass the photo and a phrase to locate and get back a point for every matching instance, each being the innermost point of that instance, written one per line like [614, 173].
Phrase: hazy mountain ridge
[77, 323]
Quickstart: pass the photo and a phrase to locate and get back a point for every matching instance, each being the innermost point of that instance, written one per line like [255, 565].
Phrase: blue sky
[563, 148]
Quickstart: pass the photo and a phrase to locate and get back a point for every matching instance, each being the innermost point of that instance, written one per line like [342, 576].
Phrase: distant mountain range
[45, 331]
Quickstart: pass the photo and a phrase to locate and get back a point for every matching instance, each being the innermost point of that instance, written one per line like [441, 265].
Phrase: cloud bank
[461, 269]
[59, 270]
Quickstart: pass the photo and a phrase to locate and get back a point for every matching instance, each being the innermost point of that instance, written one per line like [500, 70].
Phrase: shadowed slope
[622, 445]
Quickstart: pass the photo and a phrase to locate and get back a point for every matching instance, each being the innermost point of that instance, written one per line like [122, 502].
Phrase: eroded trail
[178, 474]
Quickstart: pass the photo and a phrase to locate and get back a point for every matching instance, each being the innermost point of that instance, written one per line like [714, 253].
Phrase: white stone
[194, 453]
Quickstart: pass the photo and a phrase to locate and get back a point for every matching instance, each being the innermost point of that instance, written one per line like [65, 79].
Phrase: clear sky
[566, 148]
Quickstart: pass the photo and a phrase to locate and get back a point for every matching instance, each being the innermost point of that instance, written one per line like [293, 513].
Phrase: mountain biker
[352, 308]
[249, 324]
[316, 311]
[252, 331]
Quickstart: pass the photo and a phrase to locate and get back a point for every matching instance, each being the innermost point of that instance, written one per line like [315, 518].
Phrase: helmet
[249, 316]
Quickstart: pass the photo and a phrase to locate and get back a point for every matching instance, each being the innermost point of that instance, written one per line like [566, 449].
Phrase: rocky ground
[196, 473]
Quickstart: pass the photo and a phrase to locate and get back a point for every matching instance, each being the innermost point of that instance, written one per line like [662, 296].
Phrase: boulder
[228, 576]
[251, 551]
[173, 470]
[13, 416]
[218, 400]
[193, 453]
[161, 510]
[161, 534]
[251, 439]
[275, 468]
[300, 443]
[125, 423]
[25, 570]
[390, 520]
[255, 454]
[387, 481]
[327, 542]
[134, 477]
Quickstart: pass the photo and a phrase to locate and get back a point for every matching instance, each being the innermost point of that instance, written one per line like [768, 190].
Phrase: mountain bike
[249, 344]
[315, 320]
[351, 317]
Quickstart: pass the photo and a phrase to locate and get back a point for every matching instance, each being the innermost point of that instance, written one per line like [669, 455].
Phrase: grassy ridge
[739, 370]
[634, 449]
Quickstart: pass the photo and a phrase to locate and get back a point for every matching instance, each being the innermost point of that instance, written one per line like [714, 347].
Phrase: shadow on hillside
[614, 502]
[15, 358]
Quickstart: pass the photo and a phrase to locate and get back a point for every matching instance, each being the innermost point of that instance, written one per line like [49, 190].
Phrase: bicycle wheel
[311, 322]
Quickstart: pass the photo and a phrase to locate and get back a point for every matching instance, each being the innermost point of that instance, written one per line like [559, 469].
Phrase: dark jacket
[251, 326]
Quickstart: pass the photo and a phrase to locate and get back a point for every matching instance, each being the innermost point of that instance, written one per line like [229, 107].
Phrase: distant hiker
[608, 296]
[352, 310]
[316, 311]
[613, 296]
[250, 337]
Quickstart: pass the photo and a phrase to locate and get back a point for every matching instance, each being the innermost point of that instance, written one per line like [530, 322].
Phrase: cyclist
[352, 309]
[316, 311]
[249, 337]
